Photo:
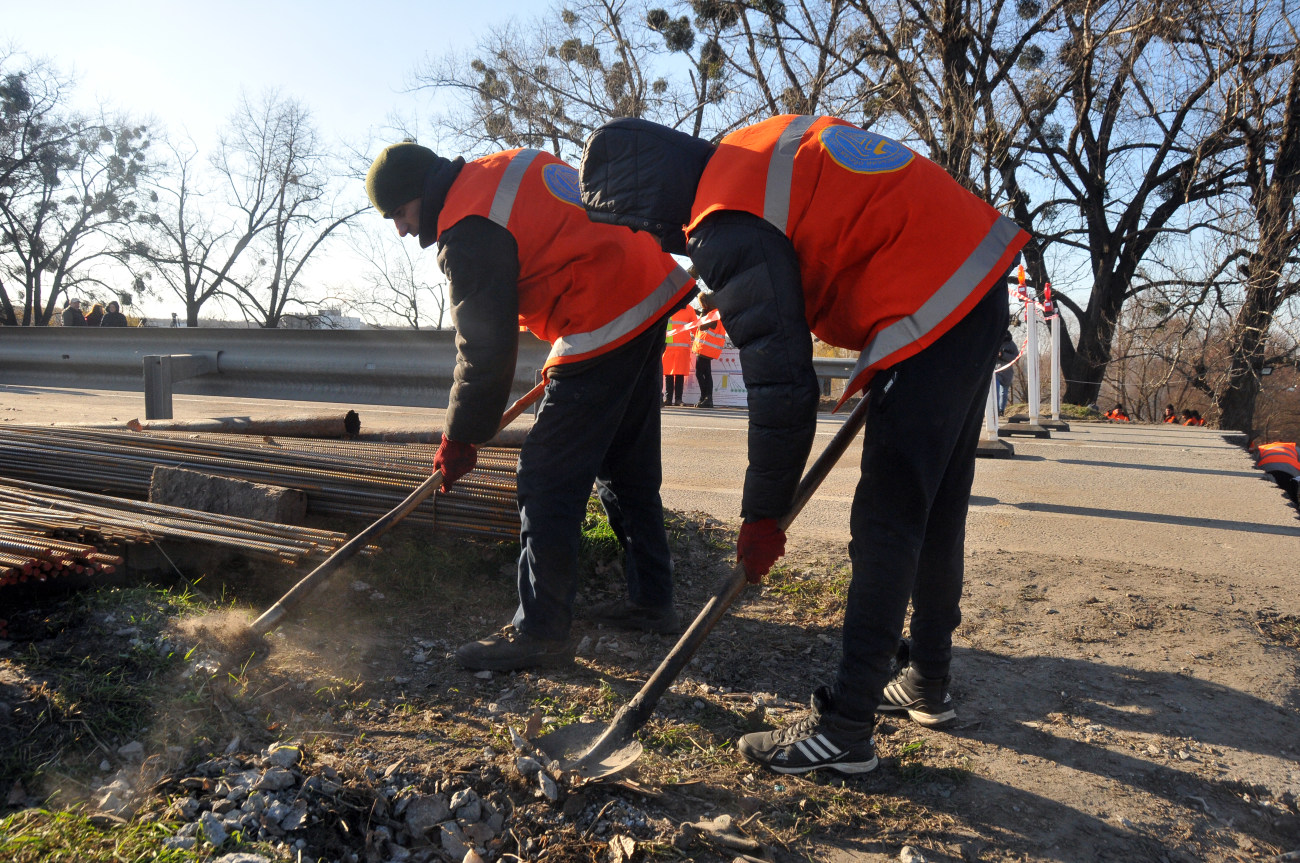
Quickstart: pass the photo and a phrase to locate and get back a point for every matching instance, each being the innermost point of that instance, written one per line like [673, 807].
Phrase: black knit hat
[397, 175]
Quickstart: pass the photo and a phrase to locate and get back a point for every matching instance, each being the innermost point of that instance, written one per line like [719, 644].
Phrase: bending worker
[517, 248]
[805, 225]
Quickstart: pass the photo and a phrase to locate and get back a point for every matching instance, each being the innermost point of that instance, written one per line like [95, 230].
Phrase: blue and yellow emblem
[864, 152]
[562, 182]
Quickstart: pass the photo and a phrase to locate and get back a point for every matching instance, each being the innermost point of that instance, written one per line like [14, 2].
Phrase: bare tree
[1263, 107]
[179, 244]
[69, 187]
[277, 176]
[394, 289]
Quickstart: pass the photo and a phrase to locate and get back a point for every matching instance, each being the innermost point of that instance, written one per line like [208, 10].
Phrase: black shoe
[822, 738]
[705, 403]
[622, 614]
[511, 650]
[925, 699]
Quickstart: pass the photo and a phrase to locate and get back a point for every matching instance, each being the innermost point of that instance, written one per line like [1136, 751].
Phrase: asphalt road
[1180, 497]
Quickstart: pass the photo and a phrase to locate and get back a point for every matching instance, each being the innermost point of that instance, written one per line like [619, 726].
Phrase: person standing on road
[677, 354]
[810, 225]
[709, 341]
[113, 317]
[72, 316]
[1006, 372]
[517, 248]
[96, 315]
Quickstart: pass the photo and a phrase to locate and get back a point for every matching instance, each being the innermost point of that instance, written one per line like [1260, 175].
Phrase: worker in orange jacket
[710, 339]
[807, 226]
[1117, 414]
[1171, 415]
[1280, 461]
[517, 248]
[677, 353]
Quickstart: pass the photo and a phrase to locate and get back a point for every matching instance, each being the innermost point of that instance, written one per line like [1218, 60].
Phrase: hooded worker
[811, 225]
[517, 249]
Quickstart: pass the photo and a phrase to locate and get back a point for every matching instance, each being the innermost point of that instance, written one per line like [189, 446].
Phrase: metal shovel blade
[573, 747]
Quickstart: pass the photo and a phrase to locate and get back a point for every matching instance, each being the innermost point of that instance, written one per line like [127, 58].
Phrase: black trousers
[908, 521]
[704, 377]
[600, 424]
[673, 386]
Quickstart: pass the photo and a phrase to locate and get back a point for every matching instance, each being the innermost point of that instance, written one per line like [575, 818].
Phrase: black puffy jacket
[644, 176]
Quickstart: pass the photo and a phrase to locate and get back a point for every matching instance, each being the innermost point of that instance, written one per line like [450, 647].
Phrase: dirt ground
[1105, 712]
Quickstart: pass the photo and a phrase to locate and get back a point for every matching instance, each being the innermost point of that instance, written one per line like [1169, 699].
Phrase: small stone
[910, 855]
[189, 808]
[425, 813]
[105, 766]
[275, 779]
[233, 746]
[132, 750]
[547, 787]
[1152, 749]
[453, 840]
[527, 766]
[517, 740]
[483, 675]
[472, 856]
[182, 843]
[241, 858]
[213, 830]
[284, 756]
[295, 820]
[401, 681]
[465, 803]
[480, 833]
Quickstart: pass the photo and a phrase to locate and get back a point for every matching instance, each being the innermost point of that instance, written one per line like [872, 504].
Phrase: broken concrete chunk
[191, 489]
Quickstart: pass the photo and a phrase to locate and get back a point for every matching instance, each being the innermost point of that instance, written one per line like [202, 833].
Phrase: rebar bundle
[340, 478]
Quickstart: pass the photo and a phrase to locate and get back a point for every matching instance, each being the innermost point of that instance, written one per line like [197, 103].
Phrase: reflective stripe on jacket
[892, 251]
[584, 287]
[709, 343]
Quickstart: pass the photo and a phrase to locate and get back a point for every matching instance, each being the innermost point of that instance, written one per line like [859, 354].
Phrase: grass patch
[807, 592]
[93, 671]
[41, 836]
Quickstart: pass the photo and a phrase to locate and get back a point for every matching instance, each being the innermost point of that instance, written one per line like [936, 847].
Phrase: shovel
[252, 643]
[583, 748]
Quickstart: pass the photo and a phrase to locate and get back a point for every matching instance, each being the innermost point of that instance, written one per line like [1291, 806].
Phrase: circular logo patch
[562, 182]
[864, 152]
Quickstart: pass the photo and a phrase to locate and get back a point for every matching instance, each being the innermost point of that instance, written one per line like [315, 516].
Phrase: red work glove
[760, 544]
[454, 459]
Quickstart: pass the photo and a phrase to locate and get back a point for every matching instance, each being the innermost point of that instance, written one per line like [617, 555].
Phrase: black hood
[643, 176]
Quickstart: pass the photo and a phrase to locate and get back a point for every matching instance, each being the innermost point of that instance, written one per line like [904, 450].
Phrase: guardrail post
[161, 371]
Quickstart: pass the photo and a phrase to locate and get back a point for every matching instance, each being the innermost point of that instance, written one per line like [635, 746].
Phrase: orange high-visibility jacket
[709, 343]
[677, 342]
[585, 288]
[1117, 415]
[892, 251]
[1279, 458]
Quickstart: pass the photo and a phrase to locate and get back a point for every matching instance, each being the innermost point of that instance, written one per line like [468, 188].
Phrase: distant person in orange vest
[677, 354]
[710, 339]
[808, 226]
[1171, 415]
[1118, 414]
[517, 248]
[1281, 462]
[1192, 418]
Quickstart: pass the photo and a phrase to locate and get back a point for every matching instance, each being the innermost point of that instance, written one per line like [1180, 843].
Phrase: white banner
[728, 383]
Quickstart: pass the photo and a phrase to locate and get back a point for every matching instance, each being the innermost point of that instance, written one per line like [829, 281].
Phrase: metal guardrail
[411, 368]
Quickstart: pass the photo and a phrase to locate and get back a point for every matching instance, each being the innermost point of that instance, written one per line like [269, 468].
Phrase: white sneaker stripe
[806, 751]
[834, 750]
[815, 747]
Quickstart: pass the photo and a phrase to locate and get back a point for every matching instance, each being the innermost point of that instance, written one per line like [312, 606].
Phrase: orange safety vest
[1115, 414]
[1279, 458]
[584, 287]
[892, 251]
[709, 343]
[1172, 419]
[677, 342]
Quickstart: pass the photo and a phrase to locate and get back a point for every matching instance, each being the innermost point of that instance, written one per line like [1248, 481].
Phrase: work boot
[925, 699]
[821, 738]
[705, 403]
[510, 650]
[622, 614]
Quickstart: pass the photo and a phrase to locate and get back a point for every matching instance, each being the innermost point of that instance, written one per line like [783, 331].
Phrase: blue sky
[184, 63]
